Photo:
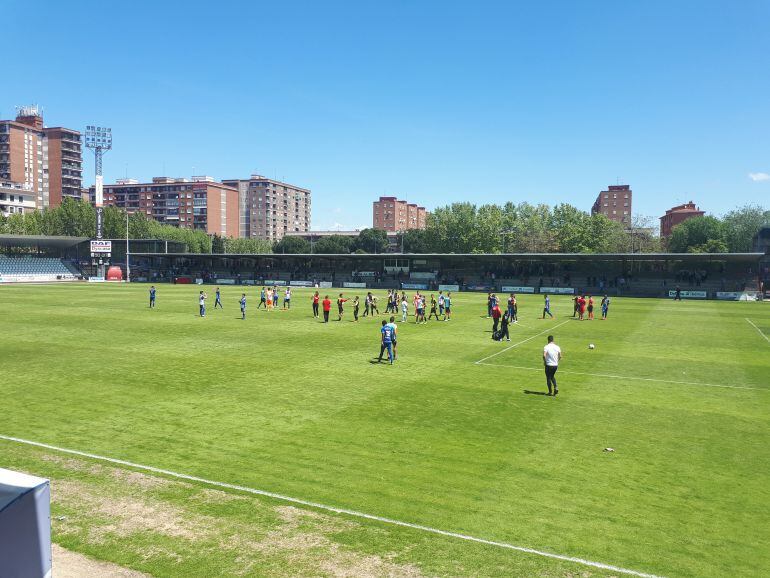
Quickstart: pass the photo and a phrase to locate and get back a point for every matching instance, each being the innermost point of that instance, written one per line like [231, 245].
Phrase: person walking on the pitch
[547, 307]
[386, 341]
[448, 307]
[202, 304]
[152, 296]
[356, 306]
[505, 320]
[316, 298]
[404, 309]
[551, 358]
[367, 303]
[433, 312]
[677, 294]
[340, 309]
[243, 305]
[218, 299]
[262, 298]
[394, 336]
[496, 314]
[590, 308]
[327, 306]
[605, 306]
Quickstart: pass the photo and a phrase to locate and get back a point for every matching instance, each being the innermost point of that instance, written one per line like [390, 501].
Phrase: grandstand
[26, 269]
[37, 259]
[637, 274]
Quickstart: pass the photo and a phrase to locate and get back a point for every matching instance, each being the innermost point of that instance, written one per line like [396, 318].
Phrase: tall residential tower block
[48, 162]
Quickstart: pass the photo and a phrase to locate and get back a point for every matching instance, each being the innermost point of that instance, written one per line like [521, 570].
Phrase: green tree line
[455, 228]
[733, 233]
[78, 219]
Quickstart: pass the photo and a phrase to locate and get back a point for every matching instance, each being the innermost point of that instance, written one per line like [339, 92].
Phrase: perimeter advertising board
[689, 294]
[516, 289]
[558, 290]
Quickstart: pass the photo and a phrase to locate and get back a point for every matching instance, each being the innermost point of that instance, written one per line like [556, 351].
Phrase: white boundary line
[336, 510]
[758, 329]
[627, 377]
[520, 342]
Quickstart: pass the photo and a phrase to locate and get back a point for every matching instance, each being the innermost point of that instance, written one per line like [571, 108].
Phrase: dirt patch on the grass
[127, 515]
[300, 540]
[303, 539]
[211, 496]
[144, 481]
[74, 464]
[67, 564]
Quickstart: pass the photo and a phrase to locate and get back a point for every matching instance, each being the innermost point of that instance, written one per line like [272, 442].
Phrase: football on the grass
[591, 346]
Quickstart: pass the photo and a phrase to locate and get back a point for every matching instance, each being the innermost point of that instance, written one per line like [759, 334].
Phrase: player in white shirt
[404, 309]
[551, 358]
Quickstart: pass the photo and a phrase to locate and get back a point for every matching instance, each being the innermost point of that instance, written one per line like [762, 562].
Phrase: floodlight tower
[99, 139]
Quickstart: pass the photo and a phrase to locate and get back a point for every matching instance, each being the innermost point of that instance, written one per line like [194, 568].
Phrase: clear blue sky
[434, 101]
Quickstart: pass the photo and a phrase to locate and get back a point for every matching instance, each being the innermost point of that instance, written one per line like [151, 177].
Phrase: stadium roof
[486, 256]
[40, 241]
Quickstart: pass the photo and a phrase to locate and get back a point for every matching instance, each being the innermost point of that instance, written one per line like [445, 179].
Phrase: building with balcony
[48, 161]
[196, 203]
[392, 214]
[16, 198]
[676, 215]
[269, 209]
[615, 203]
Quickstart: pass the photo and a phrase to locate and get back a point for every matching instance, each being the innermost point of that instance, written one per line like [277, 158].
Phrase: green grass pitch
[283, 403]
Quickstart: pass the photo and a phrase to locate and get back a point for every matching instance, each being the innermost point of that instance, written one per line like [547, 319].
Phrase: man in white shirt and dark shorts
[551, 358]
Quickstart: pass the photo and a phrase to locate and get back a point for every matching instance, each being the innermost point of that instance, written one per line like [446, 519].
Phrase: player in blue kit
[605, 306]
[218, 300]
[547, 307]
[386, 341]
[243, 305]
[152, 297]
[448, 307]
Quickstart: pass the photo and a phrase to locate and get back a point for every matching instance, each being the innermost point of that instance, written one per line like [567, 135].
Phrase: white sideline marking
[520, 342]
[336, 510]
[627, 377]
[758, 329]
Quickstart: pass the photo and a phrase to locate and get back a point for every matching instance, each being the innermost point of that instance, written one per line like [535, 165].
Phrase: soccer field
[456, 436]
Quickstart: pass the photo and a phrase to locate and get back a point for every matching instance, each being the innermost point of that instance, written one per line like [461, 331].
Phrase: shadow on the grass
[530, 392]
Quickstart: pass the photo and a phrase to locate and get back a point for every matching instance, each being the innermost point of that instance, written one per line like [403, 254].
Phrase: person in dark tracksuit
[504, 322]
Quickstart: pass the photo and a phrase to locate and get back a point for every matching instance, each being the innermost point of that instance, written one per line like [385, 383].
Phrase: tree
[292, 245]
[741, 225]
[114, 223]
[333, 244]
[247, 246]
[416, 241]
[696, 232]
[139, 225]
[372, 241]
[217, 244]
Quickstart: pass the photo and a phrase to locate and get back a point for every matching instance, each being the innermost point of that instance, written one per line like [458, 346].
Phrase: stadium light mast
[99, 139]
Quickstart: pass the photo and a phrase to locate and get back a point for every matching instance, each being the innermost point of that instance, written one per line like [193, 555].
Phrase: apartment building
[615, 203]
[392, 214]
[196, 203]
[676, 215]
[48, 161]
[16, 198]
[269, 208]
